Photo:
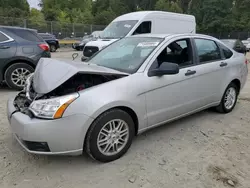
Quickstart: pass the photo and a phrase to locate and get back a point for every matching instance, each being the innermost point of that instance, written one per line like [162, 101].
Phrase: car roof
[142, 14]
[44, 34]
[10, 27]
[229, 39]
[163, 36]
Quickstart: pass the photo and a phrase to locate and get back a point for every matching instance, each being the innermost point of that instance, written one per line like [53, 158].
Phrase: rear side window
[145, 27]
[27, 35]
[227, 52]
[3, 38]
[47, 36]
[207, 50]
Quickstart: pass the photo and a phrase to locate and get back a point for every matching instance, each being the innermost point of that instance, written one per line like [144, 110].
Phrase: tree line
[211, 15]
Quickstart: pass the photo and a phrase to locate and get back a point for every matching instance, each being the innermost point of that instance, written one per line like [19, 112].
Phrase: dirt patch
[220, 174]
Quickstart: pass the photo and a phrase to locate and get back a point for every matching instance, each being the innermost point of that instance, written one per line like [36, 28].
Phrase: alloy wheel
[19, 76]
[113, 137]
[230, 98]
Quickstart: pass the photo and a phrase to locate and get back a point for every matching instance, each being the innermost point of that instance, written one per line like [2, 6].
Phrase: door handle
[223, 64]
[190, 72]
[4, 47]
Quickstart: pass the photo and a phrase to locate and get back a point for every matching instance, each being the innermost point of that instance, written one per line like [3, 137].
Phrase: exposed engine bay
[76, 83]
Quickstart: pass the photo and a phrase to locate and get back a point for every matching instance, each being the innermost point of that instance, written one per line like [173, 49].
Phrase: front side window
[178, 52]
[126, 55]
[118, 29]
[143, 28]
[3, 38]
[207, 50]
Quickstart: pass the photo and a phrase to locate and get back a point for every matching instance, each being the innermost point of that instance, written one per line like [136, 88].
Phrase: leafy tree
[104, 17]
[14, 8]
[36, 17]
[168, 5]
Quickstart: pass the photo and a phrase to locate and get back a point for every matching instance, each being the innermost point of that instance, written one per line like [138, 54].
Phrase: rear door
[7, 48]
[212, 68]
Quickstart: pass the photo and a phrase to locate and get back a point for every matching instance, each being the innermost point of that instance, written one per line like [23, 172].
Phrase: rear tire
[52, 48]
[15, 72]
[229, 99]
[110, 136]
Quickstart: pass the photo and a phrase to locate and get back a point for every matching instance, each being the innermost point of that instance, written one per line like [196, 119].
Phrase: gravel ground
[207, 150]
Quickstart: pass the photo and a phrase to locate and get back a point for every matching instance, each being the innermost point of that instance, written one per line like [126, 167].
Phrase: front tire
[110, 136]
[16, 74]
[229, 99]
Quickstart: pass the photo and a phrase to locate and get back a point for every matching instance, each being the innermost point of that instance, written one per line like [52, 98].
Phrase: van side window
[179, 52]
[145, 27]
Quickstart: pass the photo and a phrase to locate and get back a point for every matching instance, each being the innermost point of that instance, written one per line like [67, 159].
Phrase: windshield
[118, 29]
[127, 54]
[229, 43]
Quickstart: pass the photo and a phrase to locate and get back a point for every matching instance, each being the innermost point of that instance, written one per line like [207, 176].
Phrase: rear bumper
[63, 136]
[46, 55]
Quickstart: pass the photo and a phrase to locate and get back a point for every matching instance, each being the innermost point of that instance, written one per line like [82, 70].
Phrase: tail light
[246, 62]
[44, 47]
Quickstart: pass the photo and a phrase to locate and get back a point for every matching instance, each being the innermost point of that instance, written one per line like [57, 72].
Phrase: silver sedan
[133, 85]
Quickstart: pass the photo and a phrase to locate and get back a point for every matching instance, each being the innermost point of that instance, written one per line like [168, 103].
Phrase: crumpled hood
[100, 43]
[51, 73]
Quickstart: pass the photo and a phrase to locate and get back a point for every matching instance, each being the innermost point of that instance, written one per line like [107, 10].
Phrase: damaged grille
[22, 104]
[25, 97]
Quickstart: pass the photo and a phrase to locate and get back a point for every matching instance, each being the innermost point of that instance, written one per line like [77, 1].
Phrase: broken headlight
[52, 108]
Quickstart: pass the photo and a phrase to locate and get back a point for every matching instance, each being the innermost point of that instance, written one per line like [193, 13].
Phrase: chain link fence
[74, 30]
[60, 29]
[231, 35]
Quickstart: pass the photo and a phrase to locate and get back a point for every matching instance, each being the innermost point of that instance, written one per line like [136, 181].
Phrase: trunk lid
[51, 73]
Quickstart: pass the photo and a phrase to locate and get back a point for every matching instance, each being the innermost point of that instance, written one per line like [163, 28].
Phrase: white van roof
[150, 14]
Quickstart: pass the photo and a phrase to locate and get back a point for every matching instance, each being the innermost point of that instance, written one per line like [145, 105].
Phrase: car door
[212, 67]
[192, 89]
[171, 96]
[7, 47]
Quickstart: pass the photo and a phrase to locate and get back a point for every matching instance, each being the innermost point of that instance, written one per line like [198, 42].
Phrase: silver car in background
[133, 85]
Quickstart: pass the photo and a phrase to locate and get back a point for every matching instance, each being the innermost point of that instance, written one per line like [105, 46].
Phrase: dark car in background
[235, 44]
[51, 40]
[79, 45]
[20, 51]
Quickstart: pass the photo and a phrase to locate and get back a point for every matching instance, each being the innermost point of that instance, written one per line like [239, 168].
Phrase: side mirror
[83, 59]
[166, 68]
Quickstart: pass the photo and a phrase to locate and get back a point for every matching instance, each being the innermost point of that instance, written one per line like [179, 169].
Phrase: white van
[156, 22]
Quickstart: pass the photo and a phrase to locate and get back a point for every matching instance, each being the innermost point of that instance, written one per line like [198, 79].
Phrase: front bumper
[63, 136]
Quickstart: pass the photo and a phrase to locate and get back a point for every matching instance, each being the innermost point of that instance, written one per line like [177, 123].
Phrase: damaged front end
[47, 94]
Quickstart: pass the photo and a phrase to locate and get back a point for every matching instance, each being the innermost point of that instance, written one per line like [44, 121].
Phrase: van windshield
[127, 54]
[118, 29]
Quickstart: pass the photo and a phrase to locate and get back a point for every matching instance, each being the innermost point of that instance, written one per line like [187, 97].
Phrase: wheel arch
[14, 62]
[237, 83]
[124, 108]
[127, 109]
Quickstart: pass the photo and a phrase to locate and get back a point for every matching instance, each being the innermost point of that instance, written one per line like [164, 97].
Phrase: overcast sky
[34, 3]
